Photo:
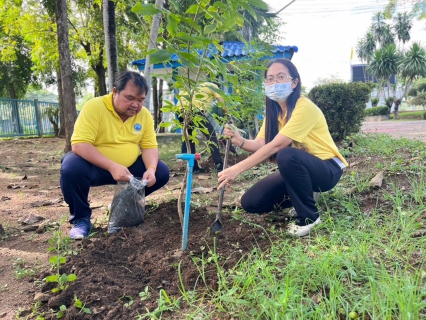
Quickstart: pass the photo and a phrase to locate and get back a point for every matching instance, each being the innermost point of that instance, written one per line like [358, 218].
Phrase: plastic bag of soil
[128, 205]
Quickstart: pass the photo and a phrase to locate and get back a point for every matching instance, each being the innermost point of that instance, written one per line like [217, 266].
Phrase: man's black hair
[125, 76]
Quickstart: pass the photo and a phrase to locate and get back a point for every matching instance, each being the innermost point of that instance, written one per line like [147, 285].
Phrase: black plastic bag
[128, 206]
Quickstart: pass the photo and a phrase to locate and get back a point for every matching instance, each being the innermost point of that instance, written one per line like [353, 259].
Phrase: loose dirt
[112, 269]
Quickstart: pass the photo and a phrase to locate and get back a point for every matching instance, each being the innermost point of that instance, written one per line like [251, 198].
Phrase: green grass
[363, 262]
[403, 115]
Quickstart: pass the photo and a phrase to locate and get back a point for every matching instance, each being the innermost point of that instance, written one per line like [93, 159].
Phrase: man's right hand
[120, 173]
[230, 131]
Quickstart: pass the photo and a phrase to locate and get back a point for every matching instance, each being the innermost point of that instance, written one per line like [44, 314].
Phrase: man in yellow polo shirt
[113, 140]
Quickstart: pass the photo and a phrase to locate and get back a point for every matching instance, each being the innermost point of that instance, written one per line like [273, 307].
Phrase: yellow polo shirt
[309, 131]
[99, 125]
[204, 96]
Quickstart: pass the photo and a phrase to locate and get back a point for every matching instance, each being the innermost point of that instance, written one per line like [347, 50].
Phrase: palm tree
[370, 45]
[387, 37]
[409, 66]
[378, 26]
[402, 26]
[385, 64]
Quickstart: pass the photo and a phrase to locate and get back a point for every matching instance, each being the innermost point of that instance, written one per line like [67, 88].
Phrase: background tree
[15, 53]
[70, 113]
[384, 59]
[110, 41]
[408, 65]
[152, 44]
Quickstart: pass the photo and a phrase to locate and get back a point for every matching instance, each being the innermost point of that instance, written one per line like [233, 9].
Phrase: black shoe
[198, 171]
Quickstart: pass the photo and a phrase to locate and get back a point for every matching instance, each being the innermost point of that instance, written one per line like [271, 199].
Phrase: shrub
[374, 102]
[343, 105]
[377, 111]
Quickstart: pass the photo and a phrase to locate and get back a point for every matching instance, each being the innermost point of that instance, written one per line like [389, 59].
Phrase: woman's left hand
[227, 176]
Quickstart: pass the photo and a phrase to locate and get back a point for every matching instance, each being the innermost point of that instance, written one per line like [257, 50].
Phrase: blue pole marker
[190, 158]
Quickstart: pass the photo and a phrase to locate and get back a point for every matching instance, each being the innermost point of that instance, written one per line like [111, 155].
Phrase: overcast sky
[326, 30]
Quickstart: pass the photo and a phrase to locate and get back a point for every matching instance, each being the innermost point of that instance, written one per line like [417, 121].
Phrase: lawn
[365, 261]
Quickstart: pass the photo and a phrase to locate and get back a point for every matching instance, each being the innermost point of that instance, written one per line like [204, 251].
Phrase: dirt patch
[112, 270]
[122, 265]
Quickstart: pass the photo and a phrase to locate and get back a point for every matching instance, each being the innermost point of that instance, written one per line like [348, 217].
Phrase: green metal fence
[26, 117]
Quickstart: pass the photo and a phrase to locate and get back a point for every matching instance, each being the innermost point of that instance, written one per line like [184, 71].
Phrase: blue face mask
[279, 92]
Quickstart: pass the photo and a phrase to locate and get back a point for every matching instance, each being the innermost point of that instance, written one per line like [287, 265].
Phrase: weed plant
[62, 247]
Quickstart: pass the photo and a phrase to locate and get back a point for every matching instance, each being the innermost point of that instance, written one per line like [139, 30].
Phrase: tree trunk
[61, 132]
[15, 110]
[68, 95]
[160, 104]
[155, 101]
[101, 76]
[110, 41]
[151, 45]
[396, 109]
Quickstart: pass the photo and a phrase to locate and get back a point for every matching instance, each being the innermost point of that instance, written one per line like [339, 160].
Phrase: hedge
[377, 111]
[343, 105]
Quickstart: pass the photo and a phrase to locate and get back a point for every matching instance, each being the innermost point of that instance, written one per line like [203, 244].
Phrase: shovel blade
[216, 227]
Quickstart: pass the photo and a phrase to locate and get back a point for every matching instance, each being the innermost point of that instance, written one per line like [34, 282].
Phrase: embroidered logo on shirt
[137, 129]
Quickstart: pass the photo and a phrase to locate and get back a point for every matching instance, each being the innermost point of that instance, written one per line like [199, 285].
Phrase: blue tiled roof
[231, 50]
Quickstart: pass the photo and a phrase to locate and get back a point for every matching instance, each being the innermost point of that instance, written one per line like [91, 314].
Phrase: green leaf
[63, 308]
[210, 28]
[55, 290]
[259, 4]
[53, 259]
[160, 56]
[52, 278]
[87, 310]
[78, 303]
[145, 9]
[250, 10]
[63, 278]
[172, 24]
[192, 9]
[62, 260]
[71, 277]
[239, 19]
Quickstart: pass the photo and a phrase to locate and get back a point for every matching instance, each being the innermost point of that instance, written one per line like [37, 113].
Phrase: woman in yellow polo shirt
[295, 136]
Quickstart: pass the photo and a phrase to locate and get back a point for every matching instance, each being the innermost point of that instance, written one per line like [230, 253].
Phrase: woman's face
[279, 73]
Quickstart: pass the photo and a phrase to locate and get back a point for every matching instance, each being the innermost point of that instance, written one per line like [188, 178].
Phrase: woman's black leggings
[300, 174]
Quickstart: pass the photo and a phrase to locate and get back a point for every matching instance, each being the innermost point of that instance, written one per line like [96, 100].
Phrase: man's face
[129, 101]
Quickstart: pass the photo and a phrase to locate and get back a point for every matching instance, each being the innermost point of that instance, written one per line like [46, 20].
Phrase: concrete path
[410, 129]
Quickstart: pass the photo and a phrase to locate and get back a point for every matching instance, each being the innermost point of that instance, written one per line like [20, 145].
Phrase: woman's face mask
[279, 92]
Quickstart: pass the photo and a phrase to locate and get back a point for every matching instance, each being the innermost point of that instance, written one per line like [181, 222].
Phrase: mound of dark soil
[113, 269]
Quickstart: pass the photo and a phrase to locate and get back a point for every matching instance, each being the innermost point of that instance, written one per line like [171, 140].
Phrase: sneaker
[80, 229]
[292, 212]
[301, 231]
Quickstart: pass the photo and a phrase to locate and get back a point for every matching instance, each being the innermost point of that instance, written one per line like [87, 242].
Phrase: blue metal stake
[190, 158]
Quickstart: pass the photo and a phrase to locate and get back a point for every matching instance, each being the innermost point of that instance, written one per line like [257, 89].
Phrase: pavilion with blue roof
[232, 51]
